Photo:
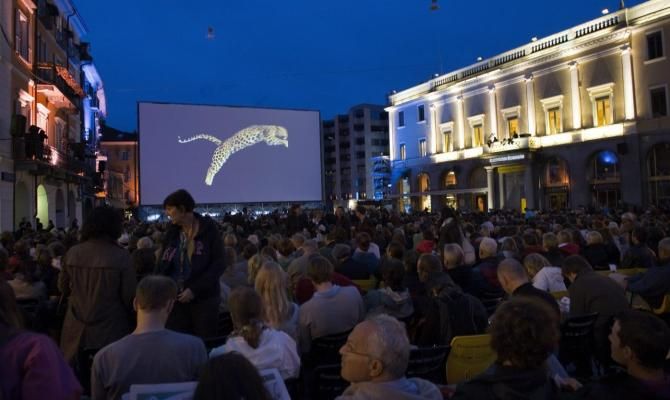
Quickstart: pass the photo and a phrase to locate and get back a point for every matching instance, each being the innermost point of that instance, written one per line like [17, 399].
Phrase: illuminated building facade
[350, 143]
[55, 103]
[579, 118]
[119, 150]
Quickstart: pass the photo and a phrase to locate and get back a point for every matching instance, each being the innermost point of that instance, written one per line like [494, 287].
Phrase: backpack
[460, 314]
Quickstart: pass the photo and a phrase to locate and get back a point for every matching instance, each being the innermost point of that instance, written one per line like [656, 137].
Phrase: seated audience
[485, 277]
[551, 251]
[393, 297]
[640, 343]
[543, 275]
[263, 346]
[446, 311]
[523, 335]
[151, 354]
[144, 258]
[374, 361]
[638, 254]
[654, 284]
[593, 293]
[514, 280]
[595, 251]
[33, 367]
[26, 285]
[454, 262]
[333, 309]
[253, 265]
[367, 252]
[348, 266]
[279, 313]
[566, 245]
[230, 377]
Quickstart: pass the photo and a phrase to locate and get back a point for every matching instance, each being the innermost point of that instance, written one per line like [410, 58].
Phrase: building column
[628, 93]
[433, 128]
[490, 187]
[530, 104]
[574, 96]
[529, 187]
[493, 114]
[501, 190]
[392, 135]
[461, 122]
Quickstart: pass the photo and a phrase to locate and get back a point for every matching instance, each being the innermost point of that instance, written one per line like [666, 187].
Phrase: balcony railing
[27, 150]
[57, 75]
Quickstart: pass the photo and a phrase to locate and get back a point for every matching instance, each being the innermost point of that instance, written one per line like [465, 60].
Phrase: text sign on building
[511, 157]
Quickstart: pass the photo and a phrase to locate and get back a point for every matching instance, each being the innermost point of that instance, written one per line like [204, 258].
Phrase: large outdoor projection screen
[223, 154]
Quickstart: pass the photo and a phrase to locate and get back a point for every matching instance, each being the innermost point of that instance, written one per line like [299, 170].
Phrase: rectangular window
[401, 118]
[403, 152]
[655, 45]
[477, 135]
[659, 103]
[422, 148]
[603, 111]
[446, 141]
[554, 119]
[22, 35]
[124, 155]
[422, 113]
[512, 126]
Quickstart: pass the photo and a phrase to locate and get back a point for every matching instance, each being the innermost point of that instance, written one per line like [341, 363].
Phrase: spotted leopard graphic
[272, 135]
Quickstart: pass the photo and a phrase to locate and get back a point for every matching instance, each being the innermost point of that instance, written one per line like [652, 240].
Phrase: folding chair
[366, 284]
[665, 306]
[326, 349]
[469, 356]
[428, 363]
[328, 382]
[577, 343]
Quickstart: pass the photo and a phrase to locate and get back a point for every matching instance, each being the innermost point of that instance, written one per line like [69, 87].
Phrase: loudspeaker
[622, 148]
[18, 125]
[102, 166]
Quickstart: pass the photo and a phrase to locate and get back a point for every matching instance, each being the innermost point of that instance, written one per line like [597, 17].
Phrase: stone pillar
[490, 187]
[574, 96]
[501, 190]
[530, 104]
[493, 114]
[529, 186]
[628, 93]
[460, 122]
[392, 136]
[433, 128]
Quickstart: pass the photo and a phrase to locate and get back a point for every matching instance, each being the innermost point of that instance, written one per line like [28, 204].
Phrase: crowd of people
[94, 311]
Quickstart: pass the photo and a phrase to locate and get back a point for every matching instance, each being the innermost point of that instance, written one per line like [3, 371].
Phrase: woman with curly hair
[524, 333]
[264, 346]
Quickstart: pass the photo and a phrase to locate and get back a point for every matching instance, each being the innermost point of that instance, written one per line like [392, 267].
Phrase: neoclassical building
[574, 119]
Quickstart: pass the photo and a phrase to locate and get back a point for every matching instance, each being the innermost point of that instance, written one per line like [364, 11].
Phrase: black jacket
[624, 387]
[597, 256]
[207, 262]
[529, 291]
[508, 383]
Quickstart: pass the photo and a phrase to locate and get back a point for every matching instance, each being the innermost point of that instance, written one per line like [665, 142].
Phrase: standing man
[193, 256]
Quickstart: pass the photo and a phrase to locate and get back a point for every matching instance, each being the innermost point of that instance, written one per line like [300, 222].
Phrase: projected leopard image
[272, 135]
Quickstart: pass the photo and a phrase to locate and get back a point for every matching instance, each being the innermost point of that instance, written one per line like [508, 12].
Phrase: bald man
[514, 280]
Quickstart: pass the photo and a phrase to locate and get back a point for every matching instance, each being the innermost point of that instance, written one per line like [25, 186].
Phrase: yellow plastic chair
[630, 271]
[665, 306]
[366, 284]
[560, 294]
[469, 356]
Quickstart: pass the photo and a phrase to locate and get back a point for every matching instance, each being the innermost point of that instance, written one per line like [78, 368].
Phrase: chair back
[179, 390]
[428, 363]
[560, 294]
[579, 327]
[366, 284]
[326, 349]
[577, 343]
[665, 306]
[329, 382]
[469, 356]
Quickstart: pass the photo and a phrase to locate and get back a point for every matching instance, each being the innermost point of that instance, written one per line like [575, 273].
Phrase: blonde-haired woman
[254, 265]
[279, 313]
[543, 275]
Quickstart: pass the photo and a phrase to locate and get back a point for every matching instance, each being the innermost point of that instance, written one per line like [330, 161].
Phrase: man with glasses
[374, 361]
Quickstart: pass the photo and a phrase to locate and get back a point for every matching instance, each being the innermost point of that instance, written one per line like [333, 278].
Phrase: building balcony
[43, 159]
[58, 85]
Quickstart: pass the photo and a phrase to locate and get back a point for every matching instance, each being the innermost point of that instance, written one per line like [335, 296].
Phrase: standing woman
[193, 256]
[99, 281]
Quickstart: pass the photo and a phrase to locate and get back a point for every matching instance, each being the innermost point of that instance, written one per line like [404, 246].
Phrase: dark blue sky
[321, 55]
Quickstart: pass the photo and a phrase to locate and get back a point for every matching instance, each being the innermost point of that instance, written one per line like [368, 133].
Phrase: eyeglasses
[349, 350]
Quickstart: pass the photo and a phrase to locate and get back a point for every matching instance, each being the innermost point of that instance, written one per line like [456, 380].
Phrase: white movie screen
[226, 154]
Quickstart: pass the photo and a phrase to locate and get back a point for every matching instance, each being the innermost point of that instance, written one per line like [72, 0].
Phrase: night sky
[319, 55]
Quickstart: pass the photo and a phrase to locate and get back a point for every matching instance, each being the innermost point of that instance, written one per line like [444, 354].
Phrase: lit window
[654, 45]
[554, 121]
[477, 135]
[603, 111]
[22, 35]
[446, 141]
[422, 113]
[422, 148]
[659, 103]
[512, 126]
[450, 179]
[401, 118]
[403, 152]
